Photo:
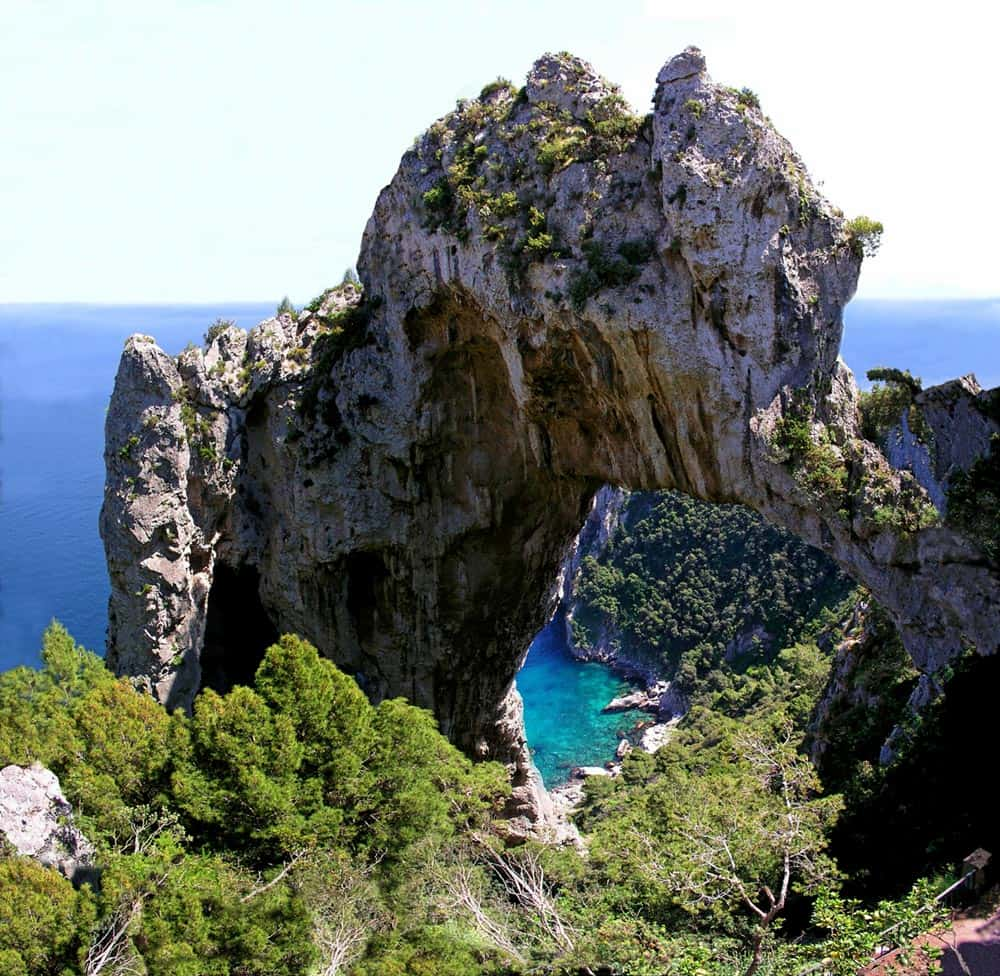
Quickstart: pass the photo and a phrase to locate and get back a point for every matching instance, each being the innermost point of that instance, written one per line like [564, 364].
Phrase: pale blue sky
[199, 150]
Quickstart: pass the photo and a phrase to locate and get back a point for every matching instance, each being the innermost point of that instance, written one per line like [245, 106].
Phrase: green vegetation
[197, 428]
[974, 501]
[864, 236]
[681, 580]
[882, 407]
[125, 451]
[285, 307]
[607, 270]
[494, 87]
[841, 477]
[217, 328]
[699, 851]
[695, 107]
[477, 165]
[236, 840]
[815, 460]
[292, 828]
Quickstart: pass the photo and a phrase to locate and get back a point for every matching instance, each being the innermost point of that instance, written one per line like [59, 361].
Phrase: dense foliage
[692, 587]
[292, 827]
[242, 839]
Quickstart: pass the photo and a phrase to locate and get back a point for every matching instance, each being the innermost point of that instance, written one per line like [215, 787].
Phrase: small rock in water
[645, 699]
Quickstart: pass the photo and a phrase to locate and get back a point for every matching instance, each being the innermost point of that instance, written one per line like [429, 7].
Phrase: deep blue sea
[57, 367]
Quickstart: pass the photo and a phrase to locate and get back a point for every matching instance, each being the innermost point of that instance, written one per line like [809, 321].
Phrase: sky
[213, 150]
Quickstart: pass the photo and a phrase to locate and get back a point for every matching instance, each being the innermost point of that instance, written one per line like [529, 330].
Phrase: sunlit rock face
[557, 295]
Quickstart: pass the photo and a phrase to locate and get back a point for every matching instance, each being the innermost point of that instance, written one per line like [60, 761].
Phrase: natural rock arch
[556, 296]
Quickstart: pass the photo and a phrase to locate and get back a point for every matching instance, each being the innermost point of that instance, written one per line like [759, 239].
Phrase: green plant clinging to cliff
[197, 429]
[217, 328]
[815, 460]
[882, 407]
[607, 269]
[864, 236]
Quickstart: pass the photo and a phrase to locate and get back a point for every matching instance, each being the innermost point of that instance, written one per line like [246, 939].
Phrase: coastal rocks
[558, 295]
[655, 737]
[567, 798]
[37, 820]
[647, 700]
[660, 698]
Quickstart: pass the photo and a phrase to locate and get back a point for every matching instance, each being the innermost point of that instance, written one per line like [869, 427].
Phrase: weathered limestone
[556, 297]
[37, 820]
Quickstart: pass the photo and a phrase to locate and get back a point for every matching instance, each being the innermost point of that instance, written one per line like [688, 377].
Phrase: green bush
[883, 406]
[695, 107]
[44, 922]
[606, 270]
[815, 461]
[200, 820]
[217, 328]
[864, 236]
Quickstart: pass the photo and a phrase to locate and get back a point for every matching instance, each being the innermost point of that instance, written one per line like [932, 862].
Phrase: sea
[57, 369]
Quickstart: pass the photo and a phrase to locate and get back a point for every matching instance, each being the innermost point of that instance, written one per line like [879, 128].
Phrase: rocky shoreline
[653, 694]
[656, 697]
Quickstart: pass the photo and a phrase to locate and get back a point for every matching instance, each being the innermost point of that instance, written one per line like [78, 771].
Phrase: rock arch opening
[660, 312]
[238, 630]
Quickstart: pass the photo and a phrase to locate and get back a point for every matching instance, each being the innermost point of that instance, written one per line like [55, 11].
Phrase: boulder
[37, 820]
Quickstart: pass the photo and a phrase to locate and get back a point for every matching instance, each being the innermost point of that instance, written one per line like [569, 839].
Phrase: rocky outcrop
[557, 295]
[598, 528]
[872, 687]
[37, 820]
[655, 737]
[660, 698]
[957, 420]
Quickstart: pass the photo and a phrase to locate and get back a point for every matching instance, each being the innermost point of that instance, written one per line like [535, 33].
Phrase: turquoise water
[562, 708]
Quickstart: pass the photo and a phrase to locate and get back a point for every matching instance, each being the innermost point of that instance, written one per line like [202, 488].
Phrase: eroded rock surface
[37, 820]
[557, 296]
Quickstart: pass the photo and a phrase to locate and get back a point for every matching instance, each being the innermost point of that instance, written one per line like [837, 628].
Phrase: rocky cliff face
[557, 295]
[957, 423]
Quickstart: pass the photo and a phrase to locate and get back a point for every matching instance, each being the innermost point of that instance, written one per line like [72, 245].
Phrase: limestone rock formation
[37, 819]
[557, 295]
[957, 426]
[599, 526]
